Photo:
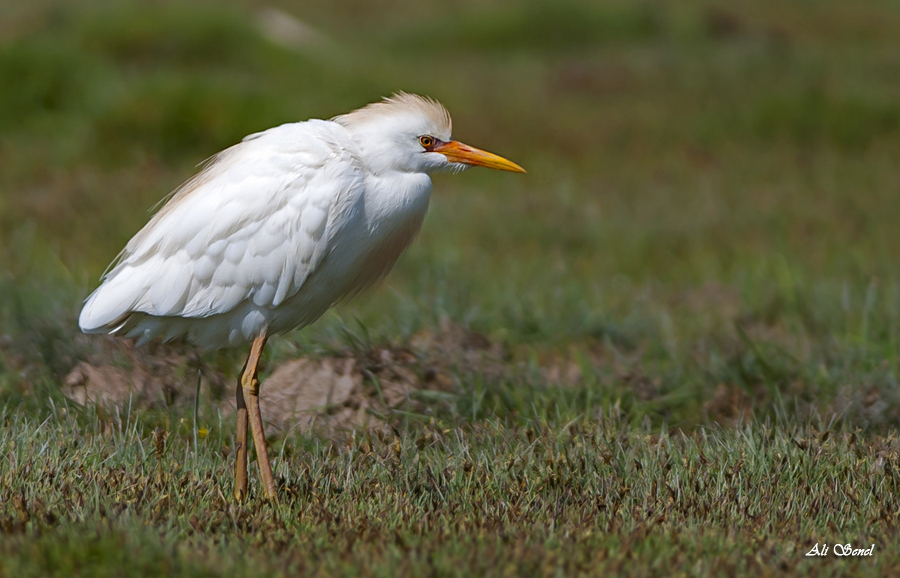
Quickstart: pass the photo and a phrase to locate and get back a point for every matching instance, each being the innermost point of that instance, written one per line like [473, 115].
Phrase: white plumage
[276, 229]
[237, 243]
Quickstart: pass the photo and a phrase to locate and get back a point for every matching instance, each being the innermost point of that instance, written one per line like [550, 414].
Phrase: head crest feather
[400, 102]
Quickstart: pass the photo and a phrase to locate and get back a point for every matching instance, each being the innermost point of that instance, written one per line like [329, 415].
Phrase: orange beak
[457, 152]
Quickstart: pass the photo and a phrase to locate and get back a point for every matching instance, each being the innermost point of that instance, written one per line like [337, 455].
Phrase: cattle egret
[277, 229]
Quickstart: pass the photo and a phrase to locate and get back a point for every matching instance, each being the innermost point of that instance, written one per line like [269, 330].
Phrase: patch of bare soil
[116, 374]
[332, 393]
[361, 389]
[335, 393]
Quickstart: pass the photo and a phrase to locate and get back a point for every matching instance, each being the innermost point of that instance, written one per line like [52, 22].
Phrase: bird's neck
[397, 195]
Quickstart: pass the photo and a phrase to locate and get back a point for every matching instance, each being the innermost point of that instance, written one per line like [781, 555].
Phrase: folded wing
[251, 227]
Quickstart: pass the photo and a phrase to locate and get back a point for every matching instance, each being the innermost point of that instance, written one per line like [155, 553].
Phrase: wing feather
[250, 228]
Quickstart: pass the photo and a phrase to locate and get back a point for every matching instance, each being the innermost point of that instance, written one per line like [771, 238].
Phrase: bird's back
[250, 242]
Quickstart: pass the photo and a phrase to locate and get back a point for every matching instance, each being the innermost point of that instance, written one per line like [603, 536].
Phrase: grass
[593, 497]
[700, 262]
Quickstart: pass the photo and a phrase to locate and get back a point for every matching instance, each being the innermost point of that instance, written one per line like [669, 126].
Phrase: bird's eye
[426, 141]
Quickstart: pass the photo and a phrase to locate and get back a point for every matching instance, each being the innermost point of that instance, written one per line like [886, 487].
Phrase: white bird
[275, 230]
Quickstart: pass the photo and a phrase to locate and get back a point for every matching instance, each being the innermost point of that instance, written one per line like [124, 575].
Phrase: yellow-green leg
[240, 464]
[247, 398]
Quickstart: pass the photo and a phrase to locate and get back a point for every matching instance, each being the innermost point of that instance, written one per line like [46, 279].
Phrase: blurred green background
[711, 209]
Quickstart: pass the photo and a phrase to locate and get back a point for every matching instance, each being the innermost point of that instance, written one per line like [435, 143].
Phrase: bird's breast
[394, 209]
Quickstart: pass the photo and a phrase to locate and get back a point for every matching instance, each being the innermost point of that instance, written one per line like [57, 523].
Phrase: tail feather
[107, 308]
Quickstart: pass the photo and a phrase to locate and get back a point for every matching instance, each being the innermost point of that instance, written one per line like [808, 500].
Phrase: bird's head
[410, 133]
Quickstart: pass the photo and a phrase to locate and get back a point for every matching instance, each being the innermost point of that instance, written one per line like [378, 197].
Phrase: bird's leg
[240, 464]
[250, 385]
